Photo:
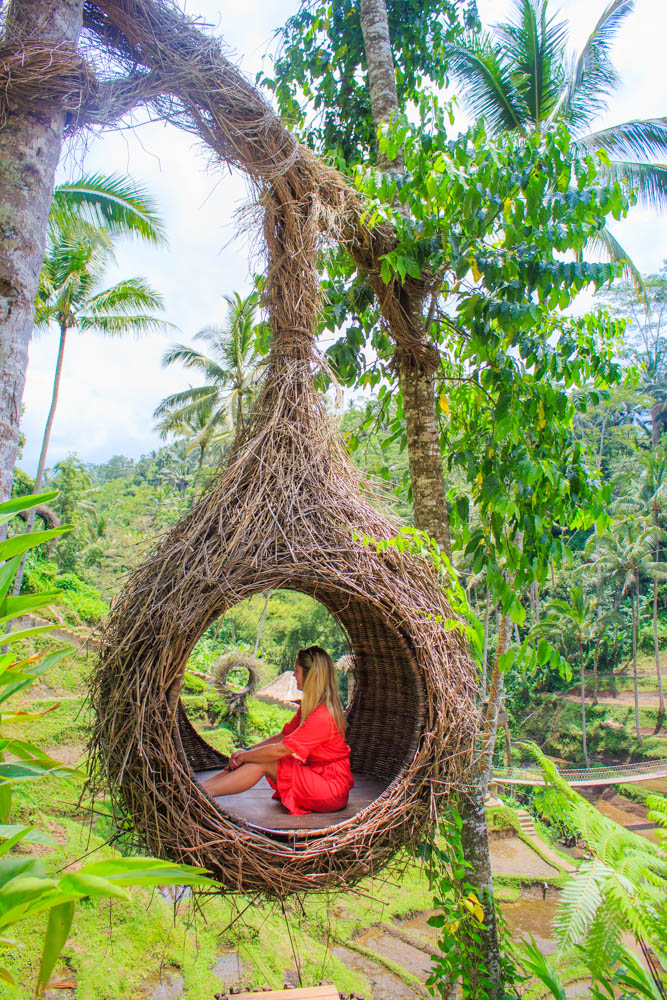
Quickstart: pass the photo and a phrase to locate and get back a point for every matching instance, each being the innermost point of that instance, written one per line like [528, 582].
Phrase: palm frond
[648, 180]
[187, 401]
[485, 83]
[125, 297]
[643, 137]
[114, 325]
[593, 76]
[535, 46]
[188, 356]
[112, 202]
[606, 244]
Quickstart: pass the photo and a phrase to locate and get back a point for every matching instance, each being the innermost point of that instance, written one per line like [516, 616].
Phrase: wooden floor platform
[259, 809]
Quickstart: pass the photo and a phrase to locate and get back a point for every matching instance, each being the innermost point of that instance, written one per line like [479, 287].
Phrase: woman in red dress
[308, 762]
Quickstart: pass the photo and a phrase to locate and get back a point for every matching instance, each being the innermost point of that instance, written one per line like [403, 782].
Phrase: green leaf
[147, 871]
[13, 507]
[5, 800]
[15, 607]
[12, 833]
[57, 931]
[26, 633]
[7, 574]
[92, 885]
[18, 544]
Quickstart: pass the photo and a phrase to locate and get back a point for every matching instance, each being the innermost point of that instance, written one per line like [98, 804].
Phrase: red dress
[317, 776]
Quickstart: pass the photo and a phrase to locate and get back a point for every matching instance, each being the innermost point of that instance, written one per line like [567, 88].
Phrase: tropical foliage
[27, 887]
[520, 77]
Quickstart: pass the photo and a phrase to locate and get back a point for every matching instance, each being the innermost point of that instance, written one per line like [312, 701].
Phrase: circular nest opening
[385, 715]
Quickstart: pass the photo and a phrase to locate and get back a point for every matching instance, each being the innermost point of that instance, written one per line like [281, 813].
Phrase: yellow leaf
[477, 274]
[479, 478]
[542, 422]
[444, 404]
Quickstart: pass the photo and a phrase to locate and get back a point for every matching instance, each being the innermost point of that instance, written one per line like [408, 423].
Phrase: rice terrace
[333, 513]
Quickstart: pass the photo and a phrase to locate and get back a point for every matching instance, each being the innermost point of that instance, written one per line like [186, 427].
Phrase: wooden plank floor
[258, 807]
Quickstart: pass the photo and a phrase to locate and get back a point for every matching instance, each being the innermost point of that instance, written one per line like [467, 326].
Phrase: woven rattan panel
[386, 718]
[200, 756]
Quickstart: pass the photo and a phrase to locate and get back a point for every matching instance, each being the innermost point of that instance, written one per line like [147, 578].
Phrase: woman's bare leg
[240, 780]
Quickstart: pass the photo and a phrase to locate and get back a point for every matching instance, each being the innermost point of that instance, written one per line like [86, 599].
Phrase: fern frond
[602, 941]
[579, 903]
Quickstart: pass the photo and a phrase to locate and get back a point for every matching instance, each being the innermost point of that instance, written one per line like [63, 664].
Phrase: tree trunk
[635, 629]
[381, 71]
[417, 382]
[260, 627]
[485, 653]
[583, 703]
[493, 707]
[30, 144]
[656, 645]
[44, 451]
[200, 463]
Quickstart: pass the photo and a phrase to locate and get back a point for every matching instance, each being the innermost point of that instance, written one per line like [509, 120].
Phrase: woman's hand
[235, 760]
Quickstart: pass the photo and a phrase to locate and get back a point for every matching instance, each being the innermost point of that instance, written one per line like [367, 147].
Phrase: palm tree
[625, 556]
[70, 295]
[520, 78]
[197, 428]
[229, 370]
[576, 621]
[653, 492]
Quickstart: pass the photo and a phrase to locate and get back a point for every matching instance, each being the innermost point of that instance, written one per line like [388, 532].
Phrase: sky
[110, 387]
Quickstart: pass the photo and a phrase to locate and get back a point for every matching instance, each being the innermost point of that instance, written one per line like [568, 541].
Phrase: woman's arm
[268, 742]
[263, 753]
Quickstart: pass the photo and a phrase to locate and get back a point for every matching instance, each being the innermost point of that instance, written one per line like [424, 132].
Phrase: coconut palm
[653, 494]
[576, 621]
[520, 78]
[70, 296]
[625, 558]
[199, 431]
[229, 370]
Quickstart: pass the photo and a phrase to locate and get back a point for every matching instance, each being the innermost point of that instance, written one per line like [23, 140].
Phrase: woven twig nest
[286, 513]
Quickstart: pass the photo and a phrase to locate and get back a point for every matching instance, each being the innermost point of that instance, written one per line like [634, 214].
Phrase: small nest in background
[236, 698]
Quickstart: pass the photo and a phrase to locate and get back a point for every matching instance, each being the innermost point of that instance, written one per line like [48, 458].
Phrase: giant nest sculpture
[287, 511]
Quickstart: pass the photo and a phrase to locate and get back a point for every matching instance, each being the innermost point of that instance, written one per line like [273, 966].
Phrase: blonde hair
[320, 685]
